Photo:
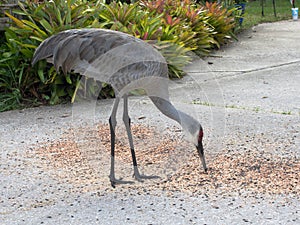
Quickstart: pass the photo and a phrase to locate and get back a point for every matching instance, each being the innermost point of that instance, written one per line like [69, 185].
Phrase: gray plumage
[126, 63]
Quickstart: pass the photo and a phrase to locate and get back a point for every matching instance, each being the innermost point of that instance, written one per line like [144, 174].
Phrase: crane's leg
[126, 120]
[112, 126]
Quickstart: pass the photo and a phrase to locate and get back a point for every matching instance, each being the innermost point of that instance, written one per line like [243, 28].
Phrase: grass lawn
[253, 15]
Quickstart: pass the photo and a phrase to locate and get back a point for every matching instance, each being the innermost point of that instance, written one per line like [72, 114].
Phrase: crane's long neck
[166, 108]
[187, 122]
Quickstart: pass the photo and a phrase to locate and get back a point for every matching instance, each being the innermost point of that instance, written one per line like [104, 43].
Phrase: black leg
[127, 123]
[112, 126]
[112, 154]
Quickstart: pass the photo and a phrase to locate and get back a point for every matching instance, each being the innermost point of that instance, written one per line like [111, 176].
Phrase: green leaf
[37, 39]
[61, 92]
[18, 22]
[41, 75]
[59, 80]
[68, 79]
[47, 26]
[7, 54]
[36, 30]
[26, 52]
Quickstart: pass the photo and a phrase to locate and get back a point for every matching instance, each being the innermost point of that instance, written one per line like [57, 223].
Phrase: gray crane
[126, 63]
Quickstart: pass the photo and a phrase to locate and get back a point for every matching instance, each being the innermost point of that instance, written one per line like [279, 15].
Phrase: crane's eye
[200, 137]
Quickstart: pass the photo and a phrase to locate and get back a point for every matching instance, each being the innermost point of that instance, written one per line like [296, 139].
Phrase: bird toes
[114, 181]
[141, 177]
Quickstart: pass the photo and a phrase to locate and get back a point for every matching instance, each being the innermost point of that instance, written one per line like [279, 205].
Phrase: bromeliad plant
[184, 22]
[130, 18]
[222, 21]
[205, 25]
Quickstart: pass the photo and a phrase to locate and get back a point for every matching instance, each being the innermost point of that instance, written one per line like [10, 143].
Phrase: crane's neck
[188, 123]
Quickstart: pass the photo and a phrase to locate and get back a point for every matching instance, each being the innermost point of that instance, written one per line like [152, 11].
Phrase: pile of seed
[82, 158]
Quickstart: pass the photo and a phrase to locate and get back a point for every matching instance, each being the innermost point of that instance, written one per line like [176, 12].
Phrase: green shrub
[11, 75]
[40, 21]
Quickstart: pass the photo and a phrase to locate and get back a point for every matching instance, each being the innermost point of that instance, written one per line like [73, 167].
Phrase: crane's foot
[114, 181]
[140, 177]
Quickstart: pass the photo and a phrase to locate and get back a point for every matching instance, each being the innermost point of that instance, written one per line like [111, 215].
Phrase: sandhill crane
[126, 63]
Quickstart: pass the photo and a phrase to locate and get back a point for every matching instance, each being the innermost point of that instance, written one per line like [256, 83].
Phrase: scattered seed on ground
[82, 157]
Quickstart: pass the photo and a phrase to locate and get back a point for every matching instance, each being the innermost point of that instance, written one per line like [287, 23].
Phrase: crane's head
[200, 149]
[194, 134]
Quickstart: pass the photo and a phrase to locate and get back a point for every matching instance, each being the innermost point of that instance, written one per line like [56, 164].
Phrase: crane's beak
[201, 154]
